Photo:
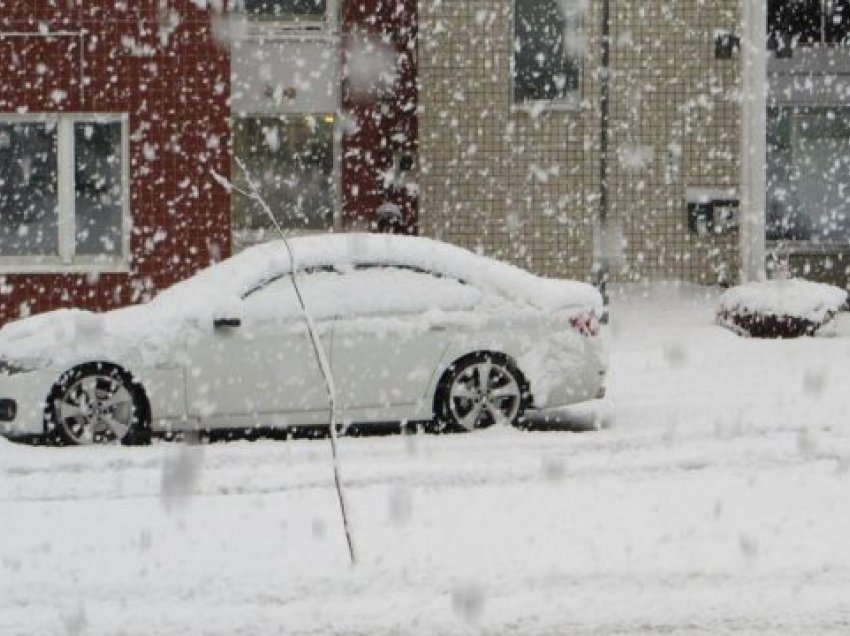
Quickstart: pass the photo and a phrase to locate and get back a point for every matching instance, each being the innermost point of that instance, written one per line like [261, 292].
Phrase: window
[29, 184]
[63, 183]
[294, 11]
[292, 159]
[547, 50]
[793, 23]
[809, 174]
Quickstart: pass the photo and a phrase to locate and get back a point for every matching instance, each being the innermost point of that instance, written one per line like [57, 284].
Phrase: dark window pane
[99, 192]
[809, 174]
[28, 189]
[292, 158]
[546, 67]
[286, 9]
[793, 23]
[838, 22]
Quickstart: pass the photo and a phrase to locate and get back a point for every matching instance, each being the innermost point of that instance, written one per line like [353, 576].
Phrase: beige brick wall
[524, 187]
[516, 186]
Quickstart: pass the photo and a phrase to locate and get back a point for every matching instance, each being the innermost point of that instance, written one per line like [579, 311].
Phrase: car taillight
[586, 324]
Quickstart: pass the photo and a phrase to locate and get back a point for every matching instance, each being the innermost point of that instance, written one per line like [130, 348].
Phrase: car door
[394, 326]
[266, 363]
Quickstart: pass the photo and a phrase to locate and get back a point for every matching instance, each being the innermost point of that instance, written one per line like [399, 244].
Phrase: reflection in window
[285, 10]
[809, 174]
[98, 186]
[28, 188]
[547, 49]
[292, 159]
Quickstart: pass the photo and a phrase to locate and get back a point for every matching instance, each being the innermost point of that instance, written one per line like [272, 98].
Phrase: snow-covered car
[414, 330]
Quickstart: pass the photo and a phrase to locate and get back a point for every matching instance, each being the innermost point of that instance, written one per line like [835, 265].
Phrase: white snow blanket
[149, 331]
[716, 502]
[237, 275]
[815, 302]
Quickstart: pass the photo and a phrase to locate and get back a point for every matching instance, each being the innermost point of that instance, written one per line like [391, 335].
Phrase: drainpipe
[602, 265]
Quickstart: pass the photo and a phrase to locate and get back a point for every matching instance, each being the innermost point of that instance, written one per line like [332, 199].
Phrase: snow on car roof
[149, 330]
[243, 272]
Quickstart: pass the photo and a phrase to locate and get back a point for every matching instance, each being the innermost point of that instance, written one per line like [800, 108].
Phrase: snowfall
[710, 493]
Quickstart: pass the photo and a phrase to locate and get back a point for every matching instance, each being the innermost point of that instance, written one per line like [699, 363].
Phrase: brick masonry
[519, 185]
[524, 186]
[386, 124]
[174, 84]
[161, 63]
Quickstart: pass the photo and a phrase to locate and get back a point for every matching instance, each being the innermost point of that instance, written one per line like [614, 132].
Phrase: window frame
[266, 282]
[366, 266]
[336, 268]
[571, 102]
[66, 261]
[256, 27]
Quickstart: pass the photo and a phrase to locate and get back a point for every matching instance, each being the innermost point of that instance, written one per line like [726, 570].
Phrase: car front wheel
[479, 391]
[96, 403]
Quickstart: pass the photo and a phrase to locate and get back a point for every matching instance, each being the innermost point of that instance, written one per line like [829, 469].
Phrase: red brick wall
[386, 124]
[175, 87]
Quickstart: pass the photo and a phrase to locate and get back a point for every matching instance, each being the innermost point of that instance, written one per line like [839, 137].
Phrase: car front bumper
[22, 401]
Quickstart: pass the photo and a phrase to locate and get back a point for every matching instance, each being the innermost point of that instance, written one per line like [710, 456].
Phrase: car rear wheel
[97, 404]
[479, 391]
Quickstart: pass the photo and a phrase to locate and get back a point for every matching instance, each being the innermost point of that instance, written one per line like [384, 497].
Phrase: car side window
[273, 300]
[276, 299]
[378, 289]
[367, 290]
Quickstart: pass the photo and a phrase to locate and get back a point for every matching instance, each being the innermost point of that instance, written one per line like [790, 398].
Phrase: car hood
[145, 334]
[68, 336]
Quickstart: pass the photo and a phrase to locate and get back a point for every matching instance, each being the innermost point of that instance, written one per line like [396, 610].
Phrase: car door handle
[437, 327]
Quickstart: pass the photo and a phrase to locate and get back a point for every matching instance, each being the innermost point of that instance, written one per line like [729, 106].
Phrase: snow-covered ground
[716, 498]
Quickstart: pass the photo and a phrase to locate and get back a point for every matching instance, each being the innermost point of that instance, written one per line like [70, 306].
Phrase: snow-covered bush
[779, 308]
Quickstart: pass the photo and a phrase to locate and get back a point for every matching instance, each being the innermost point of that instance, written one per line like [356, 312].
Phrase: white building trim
[753, 139]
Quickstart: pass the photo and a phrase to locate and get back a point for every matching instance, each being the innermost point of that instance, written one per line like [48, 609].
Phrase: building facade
[500, 150]
[708, 143]
[112, 117]
[117, 117]
[653, 140]
[324, 112]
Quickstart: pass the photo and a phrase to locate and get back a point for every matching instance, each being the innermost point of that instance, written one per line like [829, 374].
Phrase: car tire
[479, 391]
[97, 403]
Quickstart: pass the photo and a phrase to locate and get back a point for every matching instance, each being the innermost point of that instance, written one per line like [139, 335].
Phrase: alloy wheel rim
[96, 409]
[484, 394]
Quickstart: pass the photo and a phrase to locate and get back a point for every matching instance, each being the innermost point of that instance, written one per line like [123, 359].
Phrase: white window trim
[754, 55]
[571, 102]
[66, 262]
[258, 28]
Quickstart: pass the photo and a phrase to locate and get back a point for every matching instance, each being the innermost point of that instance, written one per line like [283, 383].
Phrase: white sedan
[413, 329]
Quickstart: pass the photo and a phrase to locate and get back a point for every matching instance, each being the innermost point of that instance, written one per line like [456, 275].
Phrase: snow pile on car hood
[69, 336]
[148, 332]
[803, 299]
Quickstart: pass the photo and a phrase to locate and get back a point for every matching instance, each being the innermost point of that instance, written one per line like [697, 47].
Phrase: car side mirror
[226, 323]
